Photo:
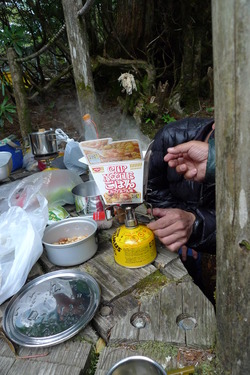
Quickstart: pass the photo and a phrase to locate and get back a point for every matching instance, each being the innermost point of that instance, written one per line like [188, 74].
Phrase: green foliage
[150, 121]
[167, 118]
[13, 37]
[6, 110]
[208, 368]
[3, 84]
[93, 360]
[210, 110]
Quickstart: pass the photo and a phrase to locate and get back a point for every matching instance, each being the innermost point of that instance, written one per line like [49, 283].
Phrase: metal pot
[137, 365]
[43, 143]
[87, 198]
[73, 253]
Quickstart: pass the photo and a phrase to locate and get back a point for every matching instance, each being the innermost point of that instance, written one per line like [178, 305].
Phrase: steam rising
[120, 126]
[112, 122]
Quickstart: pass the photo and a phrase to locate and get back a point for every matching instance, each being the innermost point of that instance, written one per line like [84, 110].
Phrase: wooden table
[137, 315]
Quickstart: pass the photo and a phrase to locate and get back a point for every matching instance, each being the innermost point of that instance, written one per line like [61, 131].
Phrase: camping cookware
[51, 308]
[5, 164]
[87, 198]
[43, 143]
[137, 365]
[71, 241]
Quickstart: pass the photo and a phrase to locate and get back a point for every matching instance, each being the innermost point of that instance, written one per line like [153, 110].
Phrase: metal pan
[51, 308]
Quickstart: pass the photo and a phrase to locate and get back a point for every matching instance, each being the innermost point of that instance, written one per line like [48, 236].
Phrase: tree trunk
[231, 29]
[79, 50]
[133, 27]
[194, 15]
[21, 100]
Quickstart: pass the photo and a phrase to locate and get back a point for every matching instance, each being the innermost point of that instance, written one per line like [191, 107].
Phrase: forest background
[165, 45]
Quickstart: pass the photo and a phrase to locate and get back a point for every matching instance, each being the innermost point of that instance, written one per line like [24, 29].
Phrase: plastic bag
[29, 162]
[21, 232]
[72, 154]
[54, 185]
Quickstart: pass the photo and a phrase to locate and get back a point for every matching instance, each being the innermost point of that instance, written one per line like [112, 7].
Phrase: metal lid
[51, 308]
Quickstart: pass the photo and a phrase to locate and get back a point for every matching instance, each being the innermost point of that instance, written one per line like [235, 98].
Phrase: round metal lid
[51, 308]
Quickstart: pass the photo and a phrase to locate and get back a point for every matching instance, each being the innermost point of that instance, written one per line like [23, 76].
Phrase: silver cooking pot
[43, 143]
[137, 365]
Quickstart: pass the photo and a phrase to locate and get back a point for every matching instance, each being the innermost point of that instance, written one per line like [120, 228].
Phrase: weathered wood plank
[197, 305]
[113, 312]
[30, 368]
[112, 278]
[170, 264]
[161, 311]
[70, 357]
[5, 364]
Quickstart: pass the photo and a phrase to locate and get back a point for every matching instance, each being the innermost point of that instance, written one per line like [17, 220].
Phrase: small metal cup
[137, 365]
[87, 198]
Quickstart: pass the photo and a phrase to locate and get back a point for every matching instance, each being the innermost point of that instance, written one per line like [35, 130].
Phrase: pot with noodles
[71, 242]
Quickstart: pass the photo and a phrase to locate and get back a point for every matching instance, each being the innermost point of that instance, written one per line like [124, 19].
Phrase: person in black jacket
[184, 210]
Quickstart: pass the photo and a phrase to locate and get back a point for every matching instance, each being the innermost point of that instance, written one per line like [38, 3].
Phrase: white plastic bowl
[76, 252]
[5, 164]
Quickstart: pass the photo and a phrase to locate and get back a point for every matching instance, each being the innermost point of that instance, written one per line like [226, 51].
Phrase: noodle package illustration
[117, 168]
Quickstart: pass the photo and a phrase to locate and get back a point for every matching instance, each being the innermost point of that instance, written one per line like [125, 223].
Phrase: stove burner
[46, 156]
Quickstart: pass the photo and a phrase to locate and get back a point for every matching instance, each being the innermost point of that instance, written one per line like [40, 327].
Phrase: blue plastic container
[17, 154]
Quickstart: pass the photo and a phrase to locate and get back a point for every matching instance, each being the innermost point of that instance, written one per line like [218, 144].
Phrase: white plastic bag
[21, 234]
[55, 185]
[24, 216]
[72, 154]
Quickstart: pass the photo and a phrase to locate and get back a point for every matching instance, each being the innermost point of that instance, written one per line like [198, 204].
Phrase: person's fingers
[181, 148]
[190, 174]
[173, 163]
[169, 157]
[181, 168]
[159, 212]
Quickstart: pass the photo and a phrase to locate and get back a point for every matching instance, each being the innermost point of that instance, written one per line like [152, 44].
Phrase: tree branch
[85, 8]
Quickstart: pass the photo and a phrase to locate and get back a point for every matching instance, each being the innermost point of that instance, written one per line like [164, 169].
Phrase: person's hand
[173, 226]
[184, 251]
[189, 159]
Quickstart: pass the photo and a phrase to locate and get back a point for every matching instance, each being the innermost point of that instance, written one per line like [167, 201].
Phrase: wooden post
[20, 95]
[231, 48]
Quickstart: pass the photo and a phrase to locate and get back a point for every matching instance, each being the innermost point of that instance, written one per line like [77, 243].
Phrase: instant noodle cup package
[117, 168]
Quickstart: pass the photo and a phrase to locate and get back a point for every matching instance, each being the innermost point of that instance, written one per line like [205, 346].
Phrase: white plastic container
[5, 164]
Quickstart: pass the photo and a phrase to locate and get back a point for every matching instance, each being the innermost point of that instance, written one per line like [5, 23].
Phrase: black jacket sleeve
[203, 237]
[168, 189]
[210, 170]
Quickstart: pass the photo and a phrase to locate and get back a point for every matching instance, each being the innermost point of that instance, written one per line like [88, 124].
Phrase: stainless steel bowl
[76, 252]
[137, 365]
[5, 164]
